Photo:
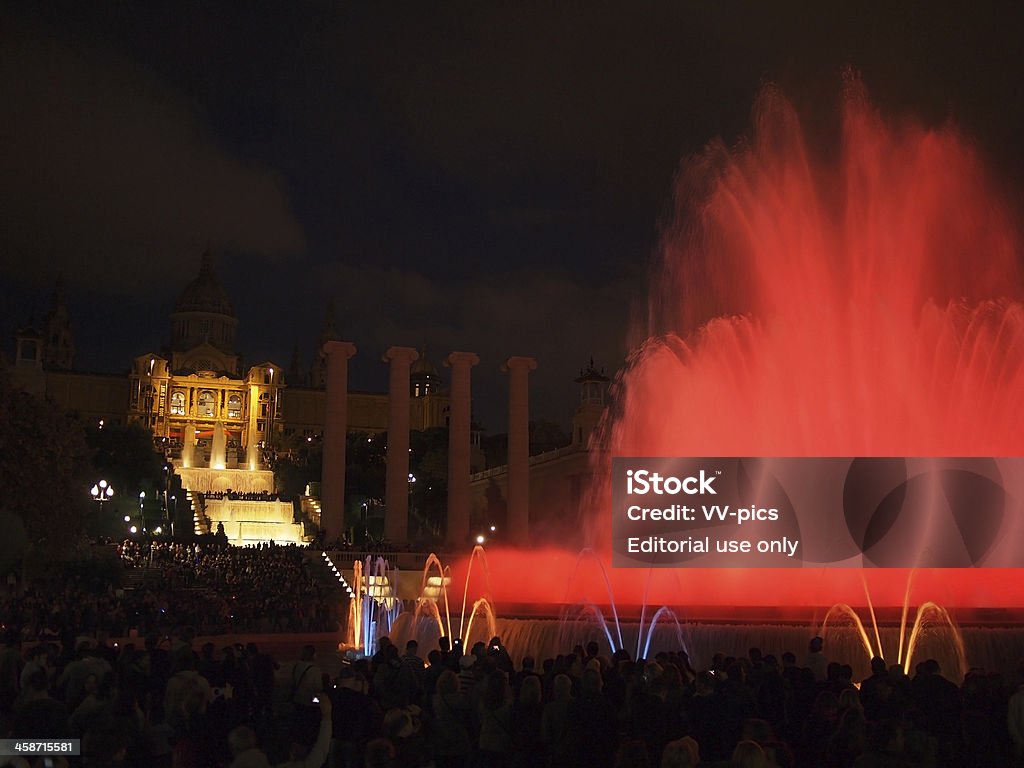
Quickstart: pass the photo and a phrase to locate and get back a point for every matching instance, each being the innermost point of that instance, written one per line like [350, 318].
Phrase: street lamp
[102, 491]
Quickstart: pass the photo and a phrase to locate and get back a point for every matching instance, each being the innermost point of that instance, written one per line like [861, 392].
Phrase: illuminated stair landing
[245, 522]
[250, 522]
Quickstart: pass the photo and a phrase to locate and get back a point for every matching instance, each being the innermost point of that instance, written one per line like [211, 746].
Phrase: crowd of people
[587, 710]
[175, 706]
[213, 588]
[155, 703]
[259, 588]
[162, 703]
[238, 496]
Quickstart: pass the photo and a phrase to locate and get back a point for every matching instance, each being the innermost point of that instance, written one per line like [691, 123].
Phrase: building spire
[59, 342]
[206, 263]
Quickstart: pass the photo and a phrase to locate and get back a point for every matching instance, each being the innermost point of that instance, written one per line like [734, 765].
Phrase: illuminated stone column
[253, 455]
[396, 490]
[332, 479]
[218, 453]
[460, 414]
[518, 370]
[188, 444]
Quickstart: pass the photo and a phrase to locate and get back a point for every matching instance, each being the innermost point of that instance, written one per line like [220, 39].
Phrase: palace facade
[220, 423]
[203, 407]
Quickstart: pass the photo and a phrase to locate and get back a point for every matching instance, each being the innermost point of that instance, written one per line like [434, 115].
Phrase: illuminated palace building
[221, 424]
[216, 421]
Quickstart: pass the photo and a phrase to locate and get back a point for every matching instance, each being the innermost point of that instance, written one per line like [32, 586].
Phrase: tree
[298, 467]
[124, 456]
[547, 436]
[44, 463]
[366, 467]
[428, 495]
[544, 436]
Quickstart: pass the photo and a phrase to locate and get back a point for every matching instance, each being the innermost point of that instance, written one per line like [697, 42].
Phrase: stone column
[188, 444]
[252, 451]
[332, 479]
[459, 417]
[396, 490]
[518, 370]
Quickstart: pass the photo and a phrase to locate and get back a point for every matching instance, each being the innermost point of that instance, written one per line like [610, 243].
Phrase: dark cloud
[111, 178]
[483, 176]
[560, 319]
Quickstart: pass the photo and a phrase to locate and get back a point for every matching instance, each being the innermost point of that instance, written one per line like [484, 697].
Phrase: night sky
[481, 176]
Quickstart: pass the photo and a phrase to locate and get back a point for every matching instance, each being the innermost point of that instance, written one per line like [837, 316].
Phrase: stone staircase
[309, 507]
[322, 572]
[199, 518]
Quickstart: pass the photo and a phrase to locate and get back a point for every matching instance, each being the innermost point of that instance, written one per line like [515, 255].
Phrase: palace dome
[423, 365]
[205, 293]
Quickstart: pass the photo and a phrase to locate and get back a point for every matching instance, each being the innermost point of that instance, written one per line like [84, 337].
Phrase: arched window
[592, 392]
[206, 402]
[178, 404]
[234, 407]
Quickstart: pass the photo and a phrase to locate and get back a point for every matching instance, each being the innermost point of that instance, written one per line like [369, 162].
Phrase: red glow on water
[531, 582]
[860, 304]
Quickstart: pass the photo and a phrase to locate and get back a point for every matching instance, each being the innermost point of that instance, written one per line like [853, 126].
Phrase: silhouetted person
[356, 717]
[38, 715]
[884, 747]
[527, 715]
[593, 725]
[939, 699]
[816, 661]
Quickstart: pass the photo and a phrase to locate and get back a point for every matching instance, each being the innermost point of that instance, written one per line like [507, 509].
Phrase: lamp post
[167, 506]
[268, 436]
[102, 492]
[412, 486]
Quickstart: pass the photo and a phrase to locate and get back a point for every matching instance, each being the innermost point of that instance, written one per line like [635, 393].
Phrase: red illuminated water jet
[863, 301]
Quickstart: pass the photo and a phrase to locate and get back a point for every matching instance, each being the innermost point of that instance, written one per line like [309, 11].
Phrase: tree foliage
[124, 456]
[44, 465]
[428, 496]
[366, 468]
[544, 436]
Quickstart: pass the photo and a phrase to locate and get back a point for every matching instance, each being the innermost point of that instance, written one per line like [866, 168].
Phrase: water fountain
[933, 630]
[862, 300]
[431, 617]
[374, 607]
